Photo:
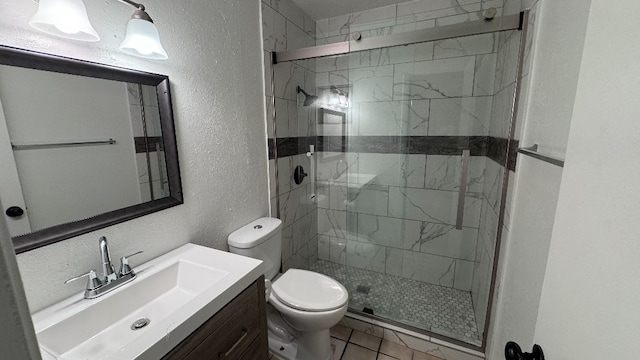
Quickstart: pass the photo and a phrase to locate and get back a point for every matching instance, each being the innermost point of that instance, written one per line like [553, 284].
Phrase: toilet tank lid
[254, 233]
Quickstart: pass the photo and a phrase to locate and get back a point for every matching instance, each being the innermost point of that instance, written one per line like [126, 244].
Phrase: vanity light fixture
[64, 18]
[68, 19]
[142, 37]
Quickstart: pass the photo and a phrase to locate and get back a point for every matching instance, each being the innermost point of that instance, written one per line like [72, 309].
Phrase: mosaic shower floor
[434, 308]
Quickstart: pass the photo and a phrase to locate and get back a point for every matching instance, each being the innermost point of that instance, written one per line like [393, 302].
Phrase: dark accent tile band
[139, 144]
[291, 146]
[493, 148]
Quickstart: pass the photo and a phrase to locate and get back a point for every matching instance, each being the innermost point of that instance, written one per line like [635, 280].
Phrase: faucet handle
[92, 283]
[125, 269]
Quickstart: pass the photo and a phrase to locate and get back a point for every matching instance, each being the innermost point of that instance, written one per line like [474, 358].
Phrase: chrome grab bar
[61, 144]
[463, 187]
[533, 152]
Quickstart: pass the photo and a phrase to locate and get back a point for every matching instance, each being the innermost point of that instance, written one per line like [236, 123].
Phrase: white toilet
[308, 302]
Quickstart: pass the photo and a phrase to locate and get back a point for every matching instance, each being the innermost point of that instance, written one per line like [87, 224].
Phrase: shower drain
[140, 323]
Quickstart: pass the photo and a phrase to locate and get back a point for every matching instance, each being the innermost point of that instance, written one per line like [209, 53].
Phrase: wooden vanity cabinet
[238, 331]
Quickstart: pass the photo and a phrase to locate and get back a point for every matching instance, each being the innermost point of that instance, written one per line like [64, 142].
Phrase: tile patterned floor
[349, 344]
[439, 309]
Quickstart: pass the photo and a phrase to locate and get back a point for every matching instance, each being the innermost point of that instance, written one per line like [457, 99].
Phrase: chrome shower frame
[489, 25]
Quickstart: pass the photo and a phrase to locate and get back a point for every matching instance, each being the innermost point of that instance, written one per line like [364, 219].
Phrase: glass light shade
[143, 40]
[64, 18]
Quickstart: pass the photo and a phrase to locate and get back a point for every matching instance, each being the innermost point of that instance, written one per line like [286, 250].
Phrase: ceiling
[322, 9]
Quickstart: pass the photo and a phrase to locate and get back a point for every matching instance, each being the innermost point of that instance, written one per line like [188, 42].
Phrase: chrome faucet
[110, 279]
[108, 273]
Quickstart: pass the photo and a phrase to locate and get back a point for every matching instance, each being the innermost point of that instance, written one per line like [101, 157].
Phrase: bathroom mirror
[82, 146]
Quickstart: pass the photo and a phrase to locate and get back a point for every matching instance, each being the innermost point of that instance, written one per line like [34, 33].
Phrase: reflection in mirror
[82, 152]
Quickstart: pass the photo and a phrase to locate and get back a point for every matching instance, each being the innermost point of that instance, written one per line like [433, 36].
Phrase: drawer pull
[245, 332]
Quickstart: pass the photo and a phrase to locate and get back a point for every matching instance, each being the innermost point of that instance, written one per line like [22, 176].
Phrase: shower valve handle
[299, 175]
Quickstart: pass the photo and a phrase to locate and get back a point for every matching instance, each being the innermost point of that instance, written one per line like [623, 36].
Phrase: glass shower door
[396, 226]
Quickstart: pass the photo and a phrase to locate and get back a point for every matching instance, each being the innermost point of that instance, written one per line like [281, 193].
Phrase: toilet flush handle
[267, 289]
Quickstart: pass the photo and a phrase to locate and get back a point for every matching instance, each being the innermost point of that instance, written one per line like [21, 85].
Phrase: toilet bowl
[310, 303]
[303, 305]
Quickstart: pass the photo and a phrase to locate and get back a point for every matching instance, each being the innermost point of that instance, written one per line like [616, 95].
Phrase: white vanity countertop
[177, 291]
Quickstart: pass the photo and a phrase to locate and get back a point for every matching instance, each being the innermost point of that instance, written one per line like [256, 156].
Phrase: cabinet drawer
[255, 351]
[230, 332]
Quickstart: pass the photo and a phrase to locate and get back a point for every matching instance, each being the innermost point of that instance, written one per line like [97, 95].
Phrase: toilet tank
[260, 239]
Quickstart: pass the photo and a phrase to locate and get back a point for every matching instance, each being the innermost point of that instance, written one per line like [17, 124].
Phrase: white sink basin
[177, 292]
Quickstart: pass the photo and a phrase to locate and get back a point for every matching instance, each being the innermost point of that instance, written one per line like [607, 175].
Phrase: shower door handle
[463, 187]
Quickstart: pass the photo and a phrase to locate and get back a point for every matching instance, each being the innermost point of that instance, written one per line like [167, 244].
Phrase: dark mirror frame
[47, 62]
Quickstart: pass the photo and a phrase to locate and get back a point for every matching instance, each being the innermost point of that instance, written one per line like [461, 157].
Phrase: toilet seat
[309, 291]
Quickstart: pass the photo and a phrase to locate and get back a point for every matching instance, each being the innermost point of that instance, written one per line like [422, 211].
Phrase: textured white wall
[556, 53]
[589, 305]
[215, 68]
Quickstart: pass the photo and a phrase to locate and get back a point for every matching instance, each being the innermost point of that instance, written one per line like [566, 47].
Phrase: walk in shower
[411, 138]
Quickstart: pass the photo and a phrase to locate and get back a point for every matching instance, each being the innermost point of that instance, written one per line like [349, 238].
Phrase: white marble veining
[297, 38]
[331, 165]
[338, 224]
[463, 275]
[293, 206]
[300, 258]
[444, 172]
[466, 46]
[390, 232]
[485, 75]
[433, 206]
[457, 19]
[420, 266]
[284, 175]
[289, 10]
[286, 77]
[337, 196]
[274, 30]
[387, 118]
[416, 8]
[488, 227]
[313, 250]
[446, 240]
[323, 247]
[333, 63]
[394, 169]
[480, 284]
[506, 63]
[379, 118]
[493, 183]
[460, 116]
[366, 256]
[371, 84]
[434, 79]
[282, 118]
[501, 112]
[287, 243]
[305, 230]
[338, 251]
[369, 199]
[417, 113]
[269, 107]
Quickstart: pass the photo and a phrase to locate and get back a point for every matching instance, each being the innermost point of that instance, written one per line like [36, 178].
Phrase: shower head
[308, 99]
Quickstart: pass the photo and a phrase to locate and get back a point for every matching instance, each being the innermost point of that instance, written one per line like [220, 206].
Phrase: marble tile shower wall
[159, 183]
[285, 27]
[504, 85]
[402, 222]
